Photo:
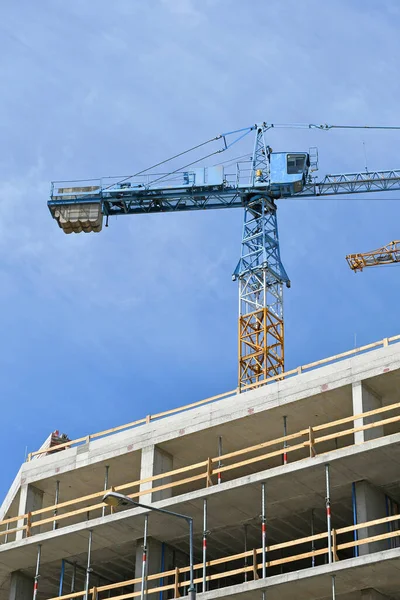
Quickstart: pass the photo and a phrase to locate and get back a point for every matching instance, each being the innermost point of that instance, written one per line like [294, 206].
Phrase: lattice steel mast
[261, 276]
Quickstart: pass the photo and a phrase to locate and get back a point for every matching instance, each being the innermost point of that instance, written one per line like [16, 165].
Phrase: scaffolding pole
[245, 550]
[328, 513]
[37, 575]
[56, 500]
[88, 569]
[103, 512]
[263, 532]
[219, 454]
[204, 545]
[333, 587]
[284, 441]
[312, 541]
[144, 561]
[354, 504]
[73, 579]
[62, 572]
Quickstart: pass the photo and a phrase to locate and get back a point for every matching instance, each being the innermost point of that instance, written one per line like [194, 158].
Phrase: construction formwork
[292, 488]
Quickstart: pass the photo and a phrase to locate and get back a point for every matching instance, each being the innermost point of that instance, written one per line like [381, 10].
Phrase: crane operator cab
[288, 172]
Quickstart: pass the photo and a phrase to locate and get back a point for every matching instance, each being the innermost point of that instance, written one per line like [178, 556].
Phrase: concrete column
[154, 462]
[371, 594]
[21, 586]
[30, 499]
[370, 505]
[154, 562]
[364, 400]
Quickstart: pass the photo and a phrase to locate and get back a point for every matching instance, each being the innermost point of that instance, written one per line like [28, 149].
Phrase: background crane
[253, 183]
[382, 256]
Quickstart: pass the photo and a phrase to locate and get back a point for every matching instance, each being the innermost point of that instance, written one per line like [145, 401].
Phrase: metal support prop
[103, 512]
[328, 513]
[354, 504]
[245, 550]
[88, 569]
[192, 589]
[36, 580]
[312, 541]
[56, 500]
[263, 532]
[285, 442]
[7, 528]
[144, 560]
[204, 545]
[219, 454]
[333, 587]
[60, 589]
[73, 579]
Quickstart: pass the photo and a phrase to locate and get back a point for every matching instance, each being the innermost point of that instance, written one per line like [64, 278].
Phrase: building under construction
[292, 489]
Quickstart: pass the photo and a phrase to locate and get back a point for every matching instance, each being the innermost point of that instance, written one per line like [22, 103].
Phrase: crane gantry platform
[254, 183]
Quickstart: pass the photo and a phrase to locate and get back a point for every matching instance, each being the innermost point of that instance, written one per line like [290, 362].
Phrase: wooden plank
[334, 546]
[296, 557]
[12, 519]
[135, 594]
[194, 404]
[255, 459]
[351, 418]
[118, 428]
[72, 595]
[345, 432]
[374, 538]
[311, 441]
[255, 574]
[380, 521]
[176, 584]
[261, 445]
[209, 473]
[59, 446]
[73, 513]
[5, 532]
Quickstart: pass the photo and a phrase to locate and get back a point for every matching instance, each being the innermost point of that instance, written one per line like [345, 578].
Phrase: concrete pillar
[154, 462]
[371, 594]
[154, 562]
[370, 505]
[21, 586]
[30, 499]
[364, 400]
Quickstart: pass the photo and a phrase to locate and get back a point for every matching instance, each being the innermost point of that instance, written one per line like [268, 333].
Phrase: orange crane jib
[382, 256]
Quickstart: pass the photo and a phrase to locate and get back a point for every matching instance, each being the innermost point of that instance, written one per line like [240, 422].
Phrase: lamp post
[115, 499]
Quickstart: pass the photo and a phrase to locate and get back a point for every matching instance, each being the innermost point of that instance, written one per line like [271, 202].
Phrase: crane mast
[254, 185]
[386, 255]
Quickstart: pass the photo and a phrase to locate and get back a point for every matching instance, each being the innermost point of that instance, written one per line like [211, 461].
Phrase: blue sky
[98, 330]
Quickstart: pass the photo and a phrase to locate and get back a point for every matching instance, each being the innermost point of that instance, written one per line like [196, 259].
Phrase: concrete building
[54, 506]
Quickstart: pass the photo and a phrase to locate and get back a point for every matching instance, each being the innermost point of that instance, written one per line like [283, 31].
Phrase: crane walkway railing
[151, 418]
[303, 444]
[227, 567]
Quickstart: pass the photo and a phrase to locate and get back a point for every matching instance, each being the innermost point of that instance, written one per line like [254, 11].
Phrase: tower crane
[253, 183]
[382, 256]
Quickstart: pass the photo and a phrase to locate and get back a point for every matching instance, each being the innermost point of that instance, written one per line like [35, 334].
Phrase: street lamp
[114, 499]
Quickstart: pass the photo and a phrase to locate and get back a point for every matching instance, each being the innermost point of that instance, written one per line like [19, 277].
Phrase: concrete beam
[371, 594]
